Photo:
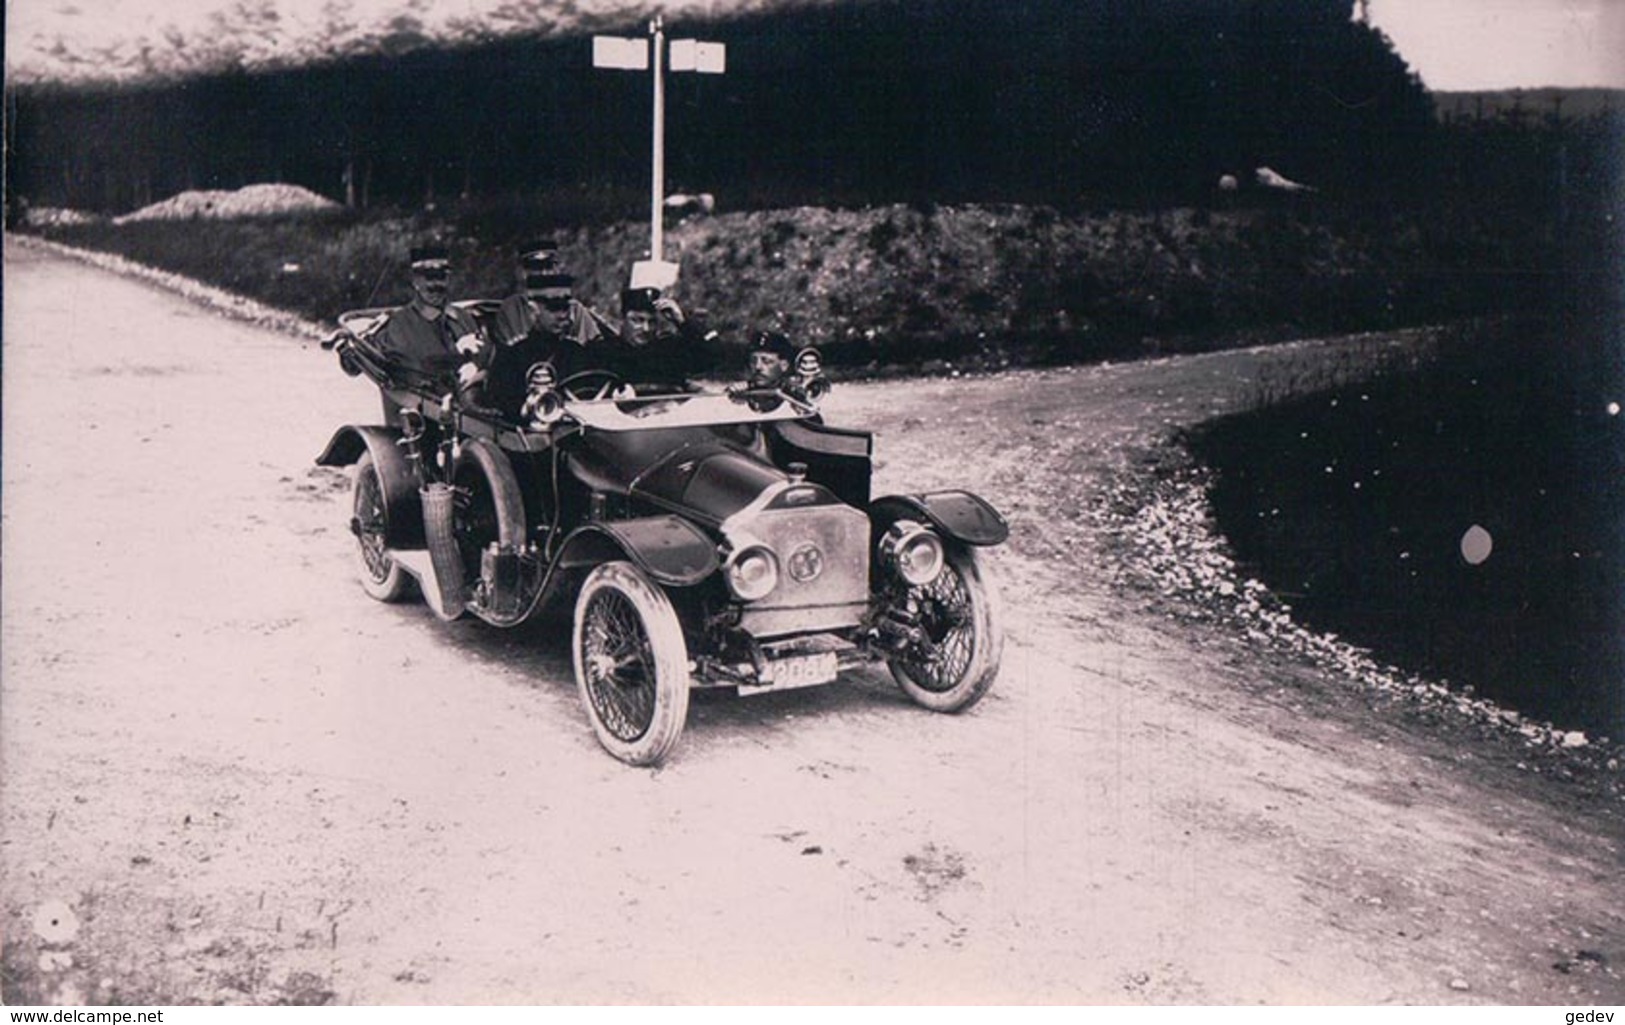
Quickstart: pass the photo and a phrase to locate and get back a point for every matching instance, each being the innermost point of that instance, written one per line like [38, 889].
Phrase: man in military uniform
[520, 313]
[432, 341]
[657, 342]
[641, 316]
[539, 331]
[770, 356]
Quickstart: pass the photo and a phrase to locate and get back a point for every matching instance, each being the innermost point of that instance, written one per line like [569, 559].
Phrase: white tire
[631, 663]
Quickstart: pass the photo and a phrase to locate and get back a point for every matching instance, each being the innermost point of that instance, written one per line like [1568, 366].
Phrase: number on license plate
[795, 671]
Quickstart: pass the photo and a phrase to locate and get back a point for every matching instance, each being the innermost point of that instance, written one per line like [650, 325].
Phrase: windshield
[702, 410]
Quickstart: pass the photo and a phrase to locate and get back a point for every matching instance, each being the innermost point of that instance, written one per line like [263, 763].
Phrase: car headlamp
[811, 384]
[752, 572]
[913, 552]
[543, 404]
[809, 363]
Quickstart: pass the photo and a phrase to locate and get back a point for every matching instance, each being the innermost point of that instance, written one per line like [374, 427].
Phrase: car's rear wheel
[381, 576]
[631, 663]
[959, 615]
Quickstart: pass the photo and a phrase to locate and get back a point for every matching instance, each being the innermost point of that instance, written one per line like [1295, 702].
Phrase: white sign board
[659, 274]
[695, 55]
[618, 52]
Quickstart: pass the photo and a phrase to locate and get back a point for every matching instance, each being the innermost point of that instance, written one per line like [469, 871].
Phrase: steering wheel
[575, 386]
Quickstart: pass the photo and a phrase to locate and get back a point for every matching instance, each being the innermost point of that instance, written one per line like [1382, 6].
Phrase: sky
[1499, 44]
[1453, 44]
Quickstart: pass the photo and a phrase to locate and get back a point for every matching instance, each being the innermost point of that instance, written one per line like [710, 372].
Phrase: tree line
[1053, 100]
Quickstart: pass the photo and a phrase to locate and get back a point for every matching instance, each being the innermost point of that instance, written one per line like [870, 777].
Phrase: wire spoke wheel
[631, 663]
[958, 659]
[620, 672]
[944, 613]
[381, 577]
[369, 516]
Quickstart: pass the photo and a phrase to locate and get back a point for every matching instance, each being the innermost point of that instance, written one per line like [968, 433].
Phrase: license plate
[796, 671]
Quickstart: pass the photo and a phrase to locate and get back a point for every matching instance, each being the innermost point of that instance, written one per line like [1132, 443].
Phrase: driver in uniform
[542, 335]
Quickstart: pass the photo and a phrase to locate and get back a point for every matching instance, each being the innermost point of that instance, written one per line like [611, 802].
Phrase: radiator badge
[806, 562]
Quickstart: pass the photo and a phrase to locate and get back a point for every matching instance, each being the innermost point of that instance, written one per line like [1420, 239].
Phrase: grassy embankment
[907, 286]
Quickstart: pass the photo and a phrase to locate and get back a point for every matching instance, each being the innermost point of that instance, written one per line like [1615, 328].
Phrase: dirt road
[231, 777]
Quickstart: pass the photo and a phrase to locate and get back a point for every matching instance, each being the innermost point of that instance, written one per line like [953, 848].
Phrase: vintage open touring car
[722, 539]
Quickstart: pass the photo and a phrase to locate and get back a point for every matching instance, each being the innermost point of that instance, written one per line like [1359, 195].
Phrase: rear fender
[672, 551]
[403, 510]
[959, 515]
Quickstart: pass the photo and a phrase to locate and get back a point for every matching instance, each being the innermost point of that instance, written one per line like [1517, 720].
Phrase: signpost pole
[657, 234]
[638, 55]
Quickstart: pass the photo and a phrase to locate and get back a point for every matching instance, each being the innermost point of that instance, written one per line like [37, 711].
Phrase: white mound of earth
[55, 217]
[249, 201]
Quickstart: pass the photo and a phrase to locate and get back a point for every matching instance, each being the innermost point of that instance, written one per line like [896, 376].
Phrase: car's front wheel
[631, 663]
[959, 616]
[381, 576]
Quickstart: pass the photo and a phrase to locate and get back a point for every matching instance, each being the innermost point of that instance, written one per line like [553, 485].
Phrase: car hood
[703, 472]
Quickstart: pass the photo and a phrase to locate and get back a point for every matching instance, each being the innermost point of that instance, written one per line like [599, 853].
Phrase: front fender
[959, 515]
[672, 551]
[403, 510]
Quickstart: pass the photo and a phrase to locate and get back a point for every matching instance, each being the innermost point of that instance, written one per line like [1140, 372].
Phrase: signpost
[634, 55]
